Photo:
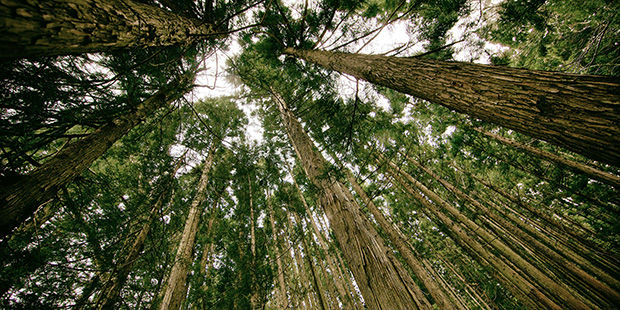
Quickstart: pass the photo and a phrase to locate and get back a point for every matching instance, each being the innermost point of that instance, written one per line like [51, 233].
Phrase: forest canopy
[309, 154]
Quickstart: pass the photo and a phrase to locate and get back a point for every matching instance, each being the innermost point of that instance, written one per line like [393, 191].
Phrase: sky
[214, 83]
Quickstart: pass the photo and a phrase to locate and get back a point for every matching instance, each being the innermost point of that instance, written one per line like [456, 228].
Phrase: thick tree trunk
[60, 27]
[578, 112]
[176, 286]
[110, 292]
[591, 172]
[383, 281]
[340, 278]
[21, 198]
[401, 244]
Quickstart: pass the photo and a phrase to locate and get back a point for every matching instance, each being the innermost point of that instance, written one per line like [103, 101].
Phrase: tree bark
[567, 267]
[591, 172]
[401, 244]
[110, 292]
[61, 27]
[281, 295]
[524, 290]
[551, 288]
[176, 286]
[22, 197]
[578, 112]
[383, 281]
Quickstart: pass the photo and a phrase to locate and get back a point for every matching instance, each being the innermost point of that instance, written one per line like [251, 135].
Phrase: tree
[384, 283]
[577, 112]
[22, 196]
[44, 28]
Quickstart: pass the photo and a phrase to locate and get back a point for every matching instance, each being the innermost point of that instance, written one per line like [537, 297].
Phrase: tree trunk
[176, 286]
[340, 278]
[578, 112]
[535, 242]
[591, 172]
[401, 244]
[110, 292]
[383, 281]
[22, 197]
[281, 295]
[524, 290]
[552, 288]
[61, 27]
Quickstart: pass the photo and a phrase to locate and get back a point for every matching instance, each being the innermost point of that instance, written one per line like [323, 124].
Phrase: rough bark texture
[176, 286]
[578, 112]
[111, 289]
[21, 198]
[403, 247]
[60, 27]
[550, 288]
[593, 173]
[340, 278]
[548, 252]
[383, 281]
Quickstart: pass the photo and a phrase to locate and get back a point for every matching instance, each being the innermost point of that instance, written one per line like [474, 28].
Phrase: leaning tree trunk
[401, 244]
[578, 112]
[550, 253]
[591, 172]
[383, 281]
[21, 198]
[111, 290]
[60, 27]
[550, 288]
[176, 286]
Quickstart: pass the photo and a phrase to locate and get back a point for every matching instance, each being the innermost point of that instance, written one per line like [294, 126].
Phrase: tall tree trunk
[340, 278]
[551, 288]
[176, 285]
[60, 27]
[281, 296]
[567, 267]
[22, 197]
[578, 112]
[401, 244]
[111, 289]
[319, 290]
[591, 172]
[383, 281]
[524, 290]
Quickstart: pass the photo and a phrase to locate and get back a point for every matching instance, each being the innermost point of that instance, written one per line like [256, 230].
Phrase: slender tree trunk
[316, 282]
[110, 292]
[281, 296]
[551, 287]
[60, 27]
[591, 172]
[176, 284]
[577, 112]
[401, 244]
[254, 296]
[526, 292]
[534, 242]
[21, 198]
[383, 281]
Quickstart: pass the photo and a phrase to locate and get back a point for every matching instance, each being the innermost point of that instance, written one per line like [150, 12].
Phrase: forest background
[327, 154]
